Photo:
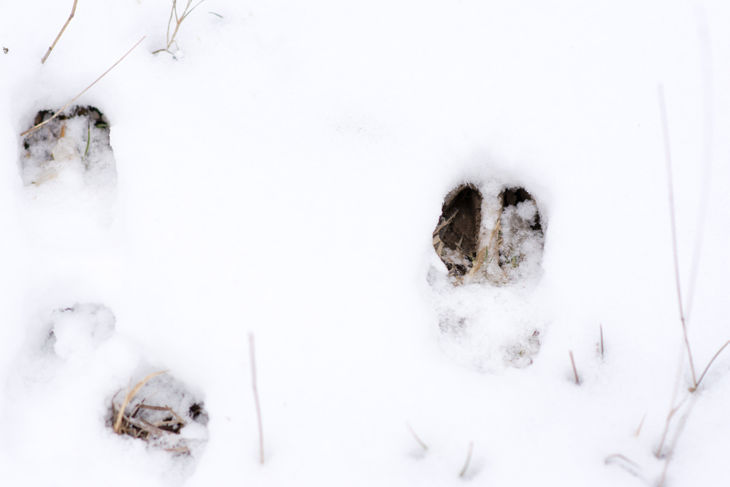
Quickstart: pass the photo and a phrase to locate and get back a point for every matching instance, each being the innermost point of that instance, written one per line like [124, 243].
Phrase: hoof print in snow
[456, 236]
[161, 411]
[493, 236]
[520, 238]
[79, 329]
[74, 146]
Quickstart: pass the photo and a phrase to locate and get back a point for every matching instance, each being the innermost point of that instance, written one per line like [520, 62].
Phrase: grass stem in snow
[68, 21]
[415, 437]
[468, 460]
[575, 371]
[252, 351]
[60, 110]
[600, 327]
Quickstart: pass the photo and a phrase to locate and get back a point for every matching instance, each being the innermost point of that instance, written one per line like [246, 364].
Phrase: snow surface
[283, 175]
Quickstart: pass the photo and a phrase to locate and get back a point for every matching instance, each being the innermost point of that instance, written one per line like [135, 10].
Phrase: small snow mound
[79, 329]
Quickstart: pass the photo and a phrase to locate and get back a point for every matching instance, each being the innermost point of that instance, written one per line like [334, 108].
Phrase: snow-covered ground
[282, 175]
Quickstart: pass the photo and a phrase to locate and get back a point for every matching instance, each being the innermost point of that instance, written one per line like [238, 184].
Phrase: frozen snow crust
[283, 175]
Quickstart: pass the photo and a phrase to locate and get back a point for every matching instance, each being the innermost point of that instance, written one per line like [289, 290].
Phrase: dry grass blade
[170, 39]
[575, 370]
[415, 437]
[624, 462]
[68, 21]
[36, 127]
[659, 451]
[252, 350]
[673, 446]
[704, 372]
[130, 395]
[641, 425]
[673, 223]
[602, 348]
[468, 460]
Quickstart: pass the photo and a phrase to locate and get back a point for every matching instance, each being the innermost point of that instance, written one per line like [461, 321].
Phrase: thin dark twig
[252, 351]
[178, 21]
[468, 460]
[575, 371]
[672, 448]
[672, 219]
[707, 149]
[702, 376]
[602, 349]
[641, 424]
[624, 462]
[415, 437]
[68, 21]
[667, 424]
[36, 127]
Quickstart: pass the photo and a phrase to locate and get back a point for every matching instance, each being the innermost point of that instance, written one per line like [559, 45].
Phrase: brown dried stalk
[178, 21]
[668, 159]
[41, 124]
[415, 437]
[575, 371]
[600, 327]
[68, 21]
[130, 395]
[468, 460]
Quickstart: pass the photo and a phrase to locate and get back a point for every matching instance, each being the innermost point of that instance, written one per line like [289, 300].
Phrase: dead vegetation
[68, 21]
[159, 425]
[63, 108]
[173, 25]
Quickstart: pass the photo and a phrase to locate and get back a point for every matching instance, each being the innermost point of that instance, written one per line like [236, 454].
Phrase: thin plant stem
[575, 370]
[702, 376]
[130, 395]
[415, 437]
[673, 223]
[658, 452]
[468, 460]
[252, 352]
[68, 21]
[170, 39]
[600, 327]
[36, 127]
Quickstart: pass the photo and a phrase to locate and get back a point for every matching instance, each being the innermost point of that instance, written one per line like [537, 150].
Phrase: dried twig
[252, 351]
[600, 327]
[68, 21]
[659, 450]
[624, 462]
[415, 437]
[702, 376]
[130, 395]
[41, 124]
[170, 39]
[673, 223]
[667, 153]
[641, 425]
[575, 371]
[468, 460]
[670, 453]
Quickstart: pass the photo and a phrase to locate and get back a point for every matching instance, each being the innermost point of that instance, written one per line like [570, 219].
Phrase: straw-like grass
[130, 395]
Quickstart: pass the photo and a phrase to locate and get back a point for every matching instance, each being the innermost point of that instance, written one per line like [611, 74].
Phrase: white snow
[283, 175]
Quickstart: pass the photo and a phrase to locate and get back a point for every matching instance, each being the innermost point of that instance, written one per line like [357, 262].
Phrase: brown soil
[458, 229]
